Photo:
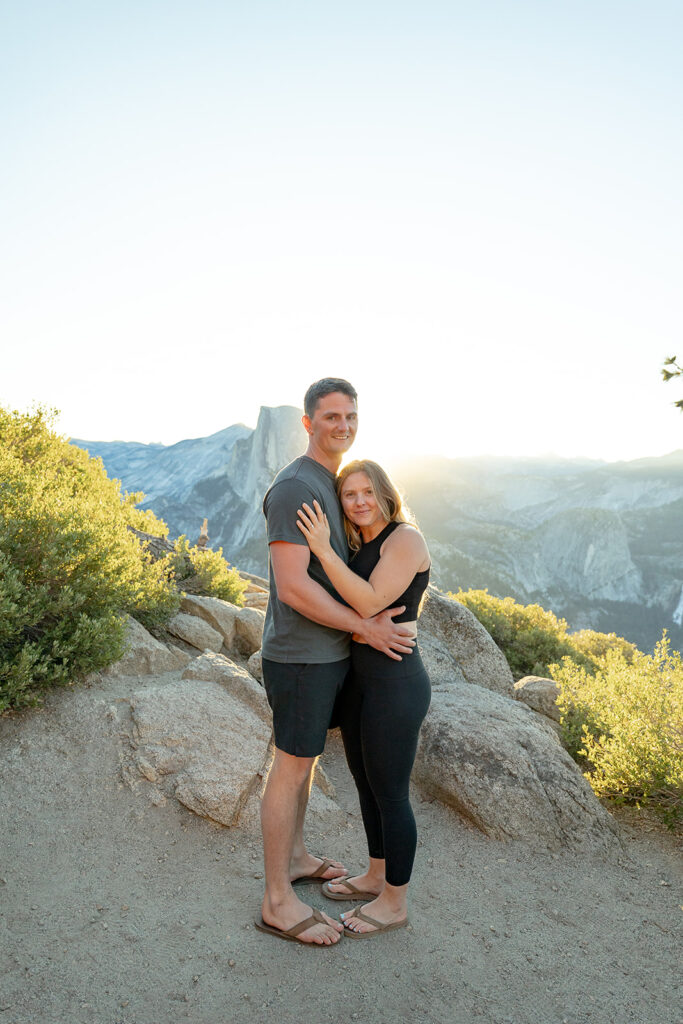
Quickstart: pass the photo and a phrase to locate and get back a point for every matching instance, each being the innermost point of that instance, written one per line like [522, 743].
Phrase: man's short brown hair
[326, 386]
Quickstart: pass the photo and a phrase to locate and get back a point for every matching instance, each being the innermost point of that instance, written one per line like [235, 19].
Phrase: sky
[471, 211]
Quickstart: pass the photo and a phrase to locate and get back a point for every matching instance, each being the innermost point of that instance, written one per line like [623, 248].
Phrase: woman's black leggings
[382, 707]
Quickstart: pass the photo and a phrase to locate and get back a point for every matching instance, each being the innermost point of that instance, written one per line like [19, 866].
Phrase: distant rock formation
[221, 478]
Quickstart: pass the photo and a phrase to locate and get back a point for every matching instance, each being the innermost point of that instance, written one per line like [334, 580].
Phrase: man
[306, 658]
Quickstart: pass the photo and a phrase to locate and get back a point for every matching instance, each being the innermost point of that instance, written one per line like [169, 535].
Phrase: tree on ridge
[676, 371]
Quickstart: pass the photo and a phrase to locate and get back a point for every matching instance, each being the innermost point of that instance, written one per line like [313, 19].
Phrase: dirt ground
[117, 911]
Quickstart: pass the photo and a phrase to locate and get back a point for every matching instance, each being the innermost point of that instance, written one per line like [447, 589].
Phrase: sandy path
[115, 910]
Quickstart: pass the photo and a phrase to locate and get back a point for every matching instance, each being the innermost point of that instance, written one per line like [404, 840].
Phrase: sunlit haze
[471, 211]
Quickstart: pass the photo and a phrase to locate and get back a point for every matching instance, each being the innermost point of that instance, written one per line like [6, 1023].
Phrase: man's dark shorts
[302, 697]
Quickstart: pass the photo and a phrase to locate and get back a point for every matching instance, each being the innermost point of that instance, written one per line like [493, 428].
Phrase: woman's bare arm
[296, 588]
[402, 555]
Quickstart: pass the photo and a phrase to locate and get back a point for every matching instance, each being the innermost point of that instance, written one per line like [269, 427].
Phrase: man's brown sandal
[317, 875]
[292, 934]
[354, 894]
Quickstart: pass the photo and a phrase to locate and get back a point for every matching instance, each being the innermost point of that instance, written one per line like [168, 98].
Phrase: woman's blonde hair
[387, 495]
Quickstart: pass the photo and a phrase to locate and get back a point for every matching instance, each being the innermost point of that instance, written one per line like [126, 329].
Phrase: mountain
[222, 477]
[600, 544]
[160, 470]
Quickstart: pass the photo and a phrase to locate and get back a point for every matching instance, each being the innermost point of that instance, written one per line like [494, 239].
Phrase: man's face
[333, 425]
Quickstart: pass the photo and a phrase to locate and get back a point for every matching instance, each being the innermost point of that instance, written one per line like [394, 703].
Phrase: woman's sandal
[292, 934]
[378, 926]
[355, 894]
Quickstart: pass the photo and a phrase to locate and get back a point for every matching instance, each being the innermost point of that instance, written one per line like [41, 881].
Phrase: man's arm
[296, 588]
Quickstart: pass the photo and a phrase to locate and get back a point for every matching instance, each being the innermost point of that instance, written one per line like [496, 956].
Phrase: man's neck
[330, 462]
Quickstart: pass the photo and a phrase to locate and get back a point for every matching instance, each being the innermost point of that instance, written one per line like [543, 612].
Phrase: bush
[140, 519]
[596, 645]
[625, 722]
[530, 637]
[213, 574]
[70, 569]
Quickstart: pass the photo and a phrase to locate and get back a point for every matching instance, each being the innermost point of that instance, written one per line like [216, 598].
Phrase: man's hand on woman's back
[387, 636]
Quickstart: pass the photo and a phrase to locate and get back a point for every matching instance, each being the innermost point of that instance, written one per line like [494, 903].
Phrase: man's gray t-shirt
[289, 636]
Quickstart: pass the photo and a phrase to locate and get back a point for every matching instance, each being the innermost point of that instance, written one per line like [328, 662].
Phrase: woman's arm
[296, 588]
[403, 553]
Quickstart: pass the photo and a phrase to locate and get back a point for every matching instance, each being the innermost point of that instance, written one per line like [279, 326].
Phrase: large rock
[198, 742]
[181, 655]
[220, 615]
[195, 631]
[466, 640]
[255, 582]
[540, 694]
[323, 814]
[144, 654]
[442, 668]
[236, 680]
[503, 769]
[249, 630]
[255, 666]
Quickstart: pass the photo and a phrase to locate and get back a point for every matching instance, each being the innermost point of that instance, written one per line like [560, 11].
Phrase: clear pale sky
[470, 210]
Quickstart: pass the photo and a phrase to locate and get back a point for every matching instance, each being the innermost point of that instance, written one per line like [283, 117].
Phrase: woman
[384, 700]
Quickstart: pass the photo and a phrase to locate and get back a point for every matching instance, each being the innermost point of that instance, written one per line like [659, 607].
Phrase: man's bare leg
[281, 907]
[302, 862]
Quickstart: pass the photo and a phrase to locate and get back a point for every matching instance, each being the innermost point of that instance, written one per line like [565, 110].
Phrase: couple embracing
[347, 573]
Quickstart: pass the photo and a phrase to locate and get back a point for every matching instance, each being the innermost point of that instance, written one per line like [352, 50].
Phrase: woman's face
[358, 500]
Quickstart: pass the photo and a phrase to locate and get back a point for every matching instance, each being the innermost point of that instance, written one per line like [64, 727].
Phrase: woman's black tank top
[365, 560]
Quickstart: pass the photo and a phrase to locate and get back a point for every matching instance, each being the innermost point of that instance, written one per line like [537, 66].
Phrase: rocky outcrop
[255, 666]
[220, 615]
[540, 694]
[442, 667]
[195, 631]
[492, 758]
[501, 767]
[144, 654]
[216, 668]
[257, 592]
[456, 632]
[208, 623]
[198, 742]
[205, 624]
[249, 630]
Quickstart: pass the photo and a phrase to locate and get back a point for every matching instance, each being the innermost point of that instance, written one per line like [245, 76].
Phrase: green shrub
[140, 519]
[530, 637]
[213, 573]
[629, 713]
[596, 645]
[69, 567]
